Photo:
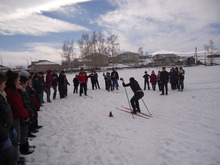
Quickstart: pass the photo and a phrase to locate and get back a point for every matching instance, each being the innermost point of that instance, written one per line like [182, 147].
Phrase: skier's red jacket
[82, 77]
[16, 103]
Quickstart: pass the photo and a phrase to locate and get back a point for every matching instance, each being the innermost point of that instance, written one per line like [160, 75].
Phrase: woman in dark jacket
[138, 94]
[16, 103]
[61, 84]
[8, 154]
[172, 76]
[153, 80]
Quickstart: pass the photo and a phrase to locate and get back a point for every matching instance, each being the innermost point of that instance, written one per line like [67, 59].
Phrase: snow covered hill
[184, 129]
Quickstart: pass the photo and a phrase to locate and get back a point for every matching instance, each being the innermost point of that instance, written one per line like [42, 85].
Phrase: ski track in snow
[184, 129]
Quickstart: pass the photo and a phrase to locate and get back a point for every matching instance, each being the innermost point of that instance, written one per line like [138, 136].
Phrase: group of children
[19, 108]
[175, 77]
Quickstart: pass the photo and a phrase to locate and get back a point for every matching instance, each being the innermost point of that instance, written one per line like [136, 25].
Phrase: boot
[134, 112]
[25, 149]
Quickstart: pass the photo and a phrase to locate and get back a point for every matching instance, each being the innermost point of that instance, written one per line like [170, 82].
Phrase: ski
[138, 112]
[128, 111]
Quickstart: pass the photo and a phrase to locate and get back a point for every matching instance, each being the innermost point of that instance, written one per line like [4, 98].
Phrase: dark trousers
[62, 91]
[181, 85]
[83, 88]
[134, 101]
[146, 82]
[54, 91]
[109, 85]
[97, 84]
[164, 85]
[75, 90]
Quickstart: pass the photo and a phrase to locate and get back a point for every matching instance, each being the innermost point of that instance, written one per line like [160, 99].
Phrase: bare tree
[113, 47]
[85, 45]
[68, 53]
[140, 51]
[210, 49]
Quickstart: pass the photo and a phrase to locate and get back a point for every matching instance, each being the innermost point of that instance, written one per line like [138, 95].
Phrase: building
[98, 60]
[127, 57]
[186, 60]
[214, 59]
[81, 62]
[43, 65]
[3, 69]
[165, 59]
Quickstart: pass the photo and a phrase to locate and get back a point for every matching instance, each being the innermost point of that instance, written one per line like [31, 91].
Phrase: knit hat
[24, 73]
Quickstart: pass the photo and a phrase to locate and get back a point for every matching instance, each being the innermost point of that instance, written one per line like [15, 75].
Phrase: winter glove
[25, 122]
[6, 144]
[13, 134]
[32, 116]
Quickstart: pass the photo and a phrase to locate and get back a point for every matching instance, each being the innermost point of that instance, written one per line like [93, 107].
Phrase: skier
[138, 93]
[146, 80]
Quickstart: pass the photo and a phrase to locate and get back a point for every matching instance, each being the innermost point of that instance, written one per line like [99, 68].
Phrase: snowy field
[184, 129]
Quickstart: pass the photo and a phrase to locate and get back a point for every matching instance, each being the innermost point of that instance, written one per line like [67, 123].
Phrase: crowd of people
[22, 96]
[175, 77]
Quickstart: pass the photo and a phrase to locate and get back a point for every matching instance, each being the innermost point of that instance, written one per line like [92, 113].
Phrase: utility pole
[195, 55]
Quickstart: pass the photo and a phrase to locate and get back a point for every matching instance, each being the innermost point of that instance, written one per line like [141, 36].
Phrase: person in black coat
[75, 84]
[115, 77]
[61, 84]
[54, 83]
[146, 80]
[138, 94]
[164, 78]
[8, 153]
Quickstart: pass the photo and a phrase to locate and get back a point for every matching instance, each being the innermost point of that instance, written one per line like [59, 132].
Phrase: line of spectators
[19, 108]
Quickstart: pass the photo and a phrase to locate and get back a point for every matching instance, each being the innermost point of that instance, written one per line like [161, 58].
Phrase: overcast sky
[36, 29]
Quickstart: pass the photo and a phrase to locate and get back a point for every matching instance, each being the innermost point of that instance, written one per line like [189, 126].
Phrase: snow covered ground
[184, 129]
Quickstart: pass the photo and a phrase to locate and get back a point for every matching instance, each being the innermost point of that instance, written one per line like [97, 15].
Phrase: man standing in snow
[115, 77]
[164, 78]
[146, 80]
[181, 78]
[138, 94]
[82, 78]
[54, 83]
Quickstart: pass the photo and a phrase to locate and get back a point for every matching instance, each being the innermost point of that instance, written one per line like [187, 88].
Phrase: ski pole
[146, 106]
[127, 97]
[128, 101]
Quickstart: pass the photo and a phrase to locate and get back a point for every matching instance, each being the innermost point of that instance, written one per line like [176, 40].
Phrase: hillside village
[124, 60]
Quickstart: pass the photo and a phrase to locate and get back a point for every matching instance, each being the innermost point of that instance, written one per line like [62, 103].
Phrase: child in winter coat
[76, 84]
[146, 80]
[153, 80]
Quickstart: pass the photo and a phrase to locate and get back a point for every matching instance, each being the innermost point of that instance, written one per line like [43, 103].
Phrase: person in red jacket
[16, 104]
[153, 80]
[83, 79]
[48, 84]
